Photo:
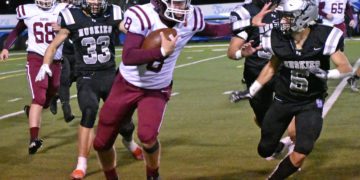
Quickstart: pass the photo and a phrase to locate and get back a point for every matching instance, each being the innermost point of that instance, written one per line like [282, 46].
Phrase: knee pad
[147, 135]
[127, 130]
[266, 150]
[88, 117]
[304, 147]
[153, 149]
[100, 146]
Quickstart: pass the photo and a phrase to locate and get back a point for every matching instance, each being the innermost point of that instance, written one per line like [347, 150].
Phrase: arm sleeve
[134, 55]
[216, 30]
[321, 9]
[19, 28]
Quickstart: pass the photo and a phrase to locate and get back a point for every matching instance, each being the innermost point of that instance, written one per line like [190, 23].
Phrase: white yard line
[173, 94]
[15, 99]
[334, 96]
[12, 72]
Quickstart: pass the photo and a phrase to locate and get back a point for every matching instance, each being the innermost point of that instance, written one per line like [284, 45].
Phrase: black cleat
[35, 145]
[53, 104]
[352, 81]
[27, 110]
[68, 116]
[153, 178]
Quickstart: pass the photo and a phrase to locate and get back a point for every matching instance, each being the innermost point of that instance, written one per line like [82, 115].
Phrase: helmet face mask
[45, 4]
[94, 7]
[177, 10]
[296, 15]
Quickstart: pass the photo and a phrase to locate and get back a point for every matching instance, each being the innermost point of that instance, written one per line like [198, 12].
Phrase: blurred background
[214, 11]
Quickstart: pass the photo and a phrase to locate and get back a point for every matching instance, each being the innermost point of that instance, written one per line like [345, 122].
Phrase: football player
[332, 12]
[353, 80]
[91, 28]
[303, 49]
[246, 43]
[40, 20]
[145, 78]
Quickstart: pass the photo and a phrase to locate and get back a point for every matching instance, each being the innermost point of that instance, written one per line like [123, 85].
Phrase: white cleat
[285, 150]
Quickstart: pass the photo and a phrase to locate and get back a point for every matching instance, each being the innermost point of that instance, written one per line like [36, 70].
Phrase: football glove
[318, 72]
[44, 69]
[237, 96]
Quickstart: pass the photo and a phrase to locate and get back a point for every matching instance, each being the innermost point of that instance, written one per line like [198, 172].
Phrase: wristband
[238, 54]
[254, 88]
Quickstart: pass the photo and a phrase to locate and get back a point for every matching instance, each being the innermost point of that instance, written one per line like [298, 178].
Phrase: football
[153, 40]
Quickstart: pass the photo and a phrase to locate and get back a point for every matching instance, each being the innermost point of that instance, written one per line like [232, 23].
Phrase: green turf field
[203, 136]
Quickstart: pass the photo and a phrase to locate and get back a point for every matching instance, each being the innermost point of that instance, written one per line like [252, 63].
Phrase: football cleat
[282, 150]
[77, 174]
[35, 145]
[68, 116]
[27, 110]
[134, 149]
[53, 104]
[352, 81]
[153, 178]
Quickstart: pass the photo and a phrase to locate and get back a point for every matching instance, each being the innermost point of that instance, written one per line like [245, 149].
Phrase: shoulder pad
[239, 13]
[117, 12]
[137, 19]
[27, 11]
[66, 17]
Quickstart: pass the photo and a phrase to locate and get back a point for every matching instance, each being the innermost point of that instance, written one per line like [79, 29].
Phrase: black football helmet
[94, 7]
[174, 10]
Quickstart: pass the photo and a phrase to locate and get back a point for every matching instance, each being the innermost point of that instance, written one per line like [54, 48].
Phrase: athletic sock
[152, 172]
[34, 133]
[283, 170]
[82, 164]
[111, 174]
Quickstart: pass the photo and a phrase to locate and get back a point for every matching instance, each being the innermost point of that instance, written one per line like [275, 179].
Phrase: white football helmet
[177, 10]
[295, 15]
[45, 4]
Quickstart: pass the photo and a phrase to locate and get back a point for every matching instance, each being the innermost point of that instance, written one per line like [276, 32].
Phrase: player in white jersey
[40, 20]
[333, 12]
[145, 79]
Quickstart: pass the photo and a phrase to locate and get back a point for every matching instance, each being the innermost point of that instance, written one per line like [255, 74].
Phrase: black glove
[320, 73]
[237, 96]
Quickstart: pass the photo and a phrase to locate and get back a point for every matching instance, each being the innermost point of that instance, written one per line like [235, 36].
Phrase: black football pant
[67, 78]
[308, 123]
[261, 102]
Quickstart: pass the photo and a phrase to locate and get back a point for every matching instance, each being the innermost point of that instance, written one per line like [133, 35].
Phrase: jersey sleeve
[334, 41]
[199, 21]
[240, 19]
[26, 10]
[66, 18]
[117, 14]
[267, 40]
[136, 20]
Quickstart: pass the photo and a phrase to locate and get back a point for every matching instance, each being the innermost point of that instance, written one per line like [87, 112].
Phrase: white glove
[44, 69]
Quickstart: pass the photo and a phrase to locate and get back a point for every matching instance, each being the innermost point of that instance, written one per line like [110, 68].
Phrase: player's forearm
[19, 28]
[216, 30]
[134, 55]
[49, 55]
[321, 9]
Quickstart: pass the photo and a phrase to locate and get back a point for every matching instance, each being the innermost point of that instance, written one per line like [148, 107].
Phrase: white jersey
[143, 20]
[38, 22]
[337, 9]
